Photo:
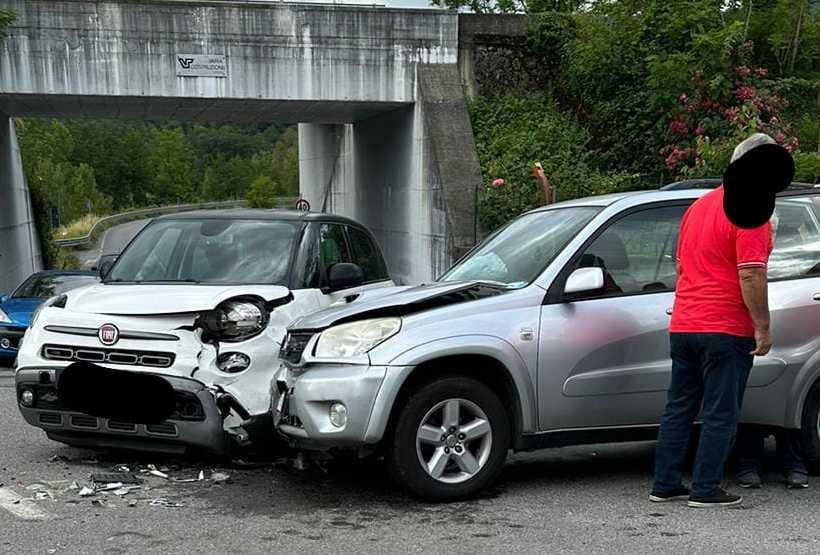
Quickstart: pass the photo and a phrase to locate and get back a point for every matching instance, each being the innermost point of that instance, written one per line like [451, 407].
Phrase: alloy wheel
[454, 440]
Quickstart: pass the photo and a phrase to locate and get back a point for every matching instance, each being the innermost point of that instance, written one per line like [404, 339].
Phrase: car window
[637, 252]
[366, 255]
[796, 229]
[332, 245]
[209, 251]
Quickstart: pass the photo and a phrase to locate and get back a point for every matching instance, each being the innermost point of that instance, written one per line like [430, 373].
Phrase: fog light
[233, 363]
[27, 397]
[5, 343]
[338, 415]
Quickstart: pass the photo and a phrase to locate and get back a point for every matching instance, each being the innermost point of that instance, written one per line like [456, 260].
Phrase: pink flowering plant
[715, 115]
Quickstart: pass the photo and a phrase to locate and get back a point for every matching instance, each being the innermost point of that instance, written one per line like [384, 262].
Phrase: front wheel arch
[487, 370]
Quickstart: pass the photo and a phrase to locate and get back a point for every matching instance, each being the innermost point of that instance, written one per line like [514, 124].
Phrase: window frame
[796, 193]
[555, 293]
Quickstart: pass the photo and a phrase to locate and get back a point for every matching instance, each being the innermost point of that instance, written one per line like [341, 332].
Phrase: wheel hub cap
[454, 440]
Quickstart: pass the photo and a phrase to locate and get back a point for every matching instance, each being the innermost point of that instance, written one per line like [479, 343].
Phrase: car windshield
[518, 253]
[46, 286]
[208, 251]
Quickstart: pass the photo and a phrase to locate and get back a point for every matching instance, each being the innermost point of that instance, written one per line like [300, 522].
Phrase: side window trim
[555, 294]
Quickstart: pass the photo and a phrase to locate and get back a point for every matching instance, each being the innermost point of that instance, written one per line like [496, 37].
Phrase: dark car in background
[18, 308]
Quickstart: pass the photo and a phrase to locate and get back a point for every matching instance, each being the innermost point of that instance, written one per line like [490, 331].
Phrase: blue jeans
[709, 370]
[749, 448]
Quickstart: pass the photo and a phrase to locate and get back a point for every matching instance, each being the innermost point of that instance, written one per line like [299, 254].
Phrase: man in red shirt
[720, 319]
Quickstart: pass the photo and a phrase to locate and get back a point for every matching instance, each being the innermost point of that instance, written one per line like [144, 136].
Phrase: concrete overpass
[384, 134]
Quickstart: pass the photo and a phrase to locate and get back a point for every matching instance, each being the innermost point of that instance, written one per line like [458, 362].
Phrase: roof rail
[714, 183]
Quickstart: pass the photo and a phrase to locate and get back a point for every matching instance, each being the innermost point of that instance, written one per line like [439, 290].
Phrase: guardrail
[117, 219]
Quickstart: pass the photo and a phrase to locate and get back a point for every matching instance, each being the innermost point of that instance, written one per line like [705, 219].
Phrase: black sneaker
[749, 479]
[674, 495]
[797, 480]
[721, 498]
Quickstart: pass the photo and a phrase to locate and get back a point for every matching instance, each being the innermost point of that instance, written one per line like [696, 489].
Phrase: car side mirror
[584, 280]
[344, 275]
[105, 264]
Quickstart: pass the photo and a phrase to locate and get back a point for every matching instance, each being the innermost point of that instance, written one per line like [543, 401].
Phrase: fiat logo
[108, 334]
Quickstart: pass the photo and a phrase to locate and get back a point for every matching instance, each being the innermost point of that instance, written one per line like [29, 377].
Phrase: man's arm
[755, 288]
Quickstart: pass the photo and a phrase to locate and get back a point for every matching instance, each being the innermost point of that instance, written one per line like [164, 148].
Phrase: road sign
[201, 65]
[302, 205]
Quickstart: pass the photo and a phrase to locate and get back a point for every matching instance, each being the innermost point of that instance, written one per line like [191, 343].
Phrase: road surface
[112, 241]
[588, 499]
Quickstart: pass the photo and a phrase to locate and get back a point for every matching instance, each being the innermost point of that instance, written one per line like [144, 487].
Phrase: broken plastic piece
[116, 477]
[86, 492]
[158, 473]
[220, 477]
[122, 468]
[201, 475]
[164, 502]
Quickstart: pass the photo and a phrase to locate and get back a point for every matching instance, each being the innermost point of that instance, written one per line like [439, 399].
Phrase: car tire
[469, 453]
[810, 433]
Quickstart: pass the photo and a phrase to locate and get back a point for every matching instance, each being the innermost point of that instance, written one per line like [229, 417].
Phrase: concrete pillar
[19, 248]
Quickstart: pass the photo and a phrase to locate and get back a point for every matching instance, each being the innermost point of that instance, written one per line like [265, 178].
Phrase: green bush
[511, 134]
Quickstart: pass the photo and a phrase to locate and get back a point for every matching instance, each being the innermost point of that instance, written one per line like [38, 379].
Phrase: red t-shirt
[711, 250]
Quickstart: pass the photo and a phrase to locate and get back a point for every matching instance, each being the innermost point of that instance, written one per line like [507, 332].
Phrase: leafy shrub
[511, 134]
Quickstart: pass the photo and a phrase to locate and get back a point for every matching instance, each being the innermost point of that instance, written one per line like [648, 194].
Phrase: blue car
[17, 309]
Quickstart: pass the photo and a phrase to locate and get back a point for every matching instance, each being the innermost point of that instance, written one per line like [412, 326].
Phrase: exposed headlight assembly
[4, 317]
[235, 320]
[356, 338]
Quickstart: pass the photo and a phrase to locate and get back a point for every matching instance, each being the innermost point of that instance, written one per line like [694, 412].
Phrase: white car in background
[175, 349]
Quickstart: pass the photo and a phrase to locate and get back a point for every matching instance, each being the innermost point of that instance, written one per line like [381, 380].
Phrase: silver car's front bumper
[301, 404]
[176, 435]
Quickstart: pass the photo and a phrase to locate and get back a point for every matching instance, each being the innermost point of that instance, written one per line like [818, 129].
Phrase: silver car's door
[794, 302]
[604, 356]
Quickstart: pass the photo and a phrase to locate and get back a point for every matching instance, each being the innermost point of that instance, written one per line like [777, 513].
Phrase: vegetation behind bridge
[627, 94]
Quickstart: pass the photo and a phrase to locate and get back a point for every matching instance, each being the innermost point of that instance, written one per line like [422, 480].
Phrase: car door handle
[816, 297]
[669, 311]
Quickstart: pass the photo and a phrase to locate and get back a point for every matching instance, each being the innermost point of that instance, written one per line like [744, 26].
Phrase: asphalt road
[589, 499]
[112, 241]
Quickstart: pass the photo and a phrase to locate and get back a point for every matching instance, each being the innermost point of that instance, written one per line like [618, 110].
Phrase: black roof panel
[258, 214]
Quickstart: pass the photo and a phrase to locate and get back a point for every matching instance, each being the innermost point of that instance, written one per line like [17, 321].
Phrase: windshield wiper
[182, 280]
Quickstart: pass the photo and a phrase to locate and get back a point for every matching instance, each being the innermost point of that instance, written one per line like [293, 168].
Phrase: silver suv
[552, 332]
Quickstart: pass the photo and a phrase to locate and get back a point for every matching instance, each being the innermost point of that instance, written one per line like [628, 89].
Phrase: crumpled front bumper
[175, 435]
[301, 404]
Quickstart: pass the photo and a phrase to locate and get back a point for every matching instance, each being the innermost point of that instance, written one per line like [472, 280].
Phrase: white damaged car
[175, 349]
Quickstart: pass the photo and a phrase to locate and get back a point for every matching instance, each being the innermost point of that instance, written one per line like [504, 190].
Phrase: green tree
[171, 160]
[119, 155]
[263, 192]
[284, 162]
[7, 17]
[229, 178]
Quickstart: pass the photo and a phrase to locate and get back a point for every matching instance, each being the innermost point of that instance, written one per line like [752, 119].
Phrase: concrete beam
[287, 53]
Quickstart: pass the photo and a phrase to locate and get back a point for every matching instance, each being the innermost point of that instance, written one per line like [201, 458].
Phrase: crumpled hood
[399, 301]
[146, 298]
[20, 310]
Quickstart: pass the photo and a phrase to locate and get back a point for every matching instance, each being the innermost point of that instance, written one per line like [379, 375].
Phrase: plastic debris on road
[165, 502]
[86, 492]
[116, 477]
[220, 477]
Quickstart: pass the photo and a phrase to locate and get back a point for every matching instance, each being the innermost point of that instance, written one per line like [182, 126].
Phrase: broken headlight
[356, 338]
[235, 320]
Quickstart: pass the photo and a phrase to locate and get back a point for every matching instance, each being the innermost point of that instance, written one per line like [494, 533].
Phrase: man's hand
[763, 340]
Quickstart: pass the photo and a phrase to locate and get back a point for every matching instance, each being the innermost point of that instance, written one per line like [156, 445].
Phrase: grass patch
[77, 228]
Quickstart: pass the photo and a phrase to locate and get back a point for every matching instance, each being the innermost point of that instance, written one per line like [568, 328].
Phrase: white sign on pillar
[201, 65]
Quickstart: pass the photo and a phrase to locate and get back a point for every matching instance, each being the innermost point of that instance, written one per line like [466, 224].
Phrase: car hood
[147, 299]
[20, 310]
[399, 301]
